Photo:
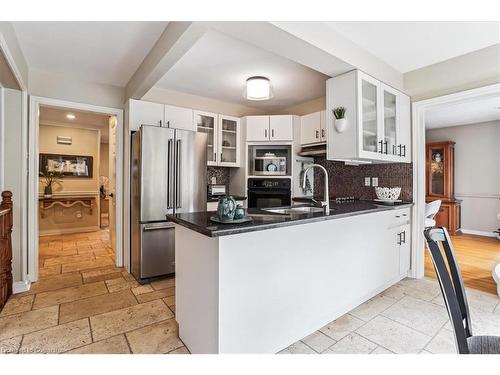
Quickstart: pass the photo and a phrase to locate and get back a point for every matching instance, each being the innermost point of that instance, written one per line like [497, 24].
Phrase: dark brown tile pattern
[221, 173]
[348, 180]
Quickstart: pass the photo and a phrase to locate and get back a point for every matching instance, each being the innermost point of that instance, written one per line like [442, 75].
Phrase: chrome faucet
[325, 204]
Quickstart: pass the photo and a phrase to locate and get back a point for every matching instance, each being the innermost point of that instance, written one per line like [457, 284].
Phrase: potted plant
[340, 120]
[50, 178]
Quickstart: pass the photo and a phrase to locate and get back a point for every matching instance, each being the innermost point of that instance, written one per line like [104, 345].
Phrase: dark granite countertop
[200, 221]
[236, 197]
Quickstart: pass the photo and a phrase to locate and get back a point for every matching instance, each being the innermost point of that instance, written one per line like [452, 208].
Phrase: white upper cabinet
[144, 113]
[281, 128]
[313, 128]
[310, 128]
[378, 120]
[269, 128]
[403, 149]
[206, 122]
[228, 141]
[322, 118]
[156, 114]
[179, 118]
[257, 128]
[223, 138]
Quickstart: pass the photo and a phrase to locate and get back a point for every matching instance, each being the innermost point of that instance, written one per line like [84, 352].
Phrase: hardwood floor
[477, 256]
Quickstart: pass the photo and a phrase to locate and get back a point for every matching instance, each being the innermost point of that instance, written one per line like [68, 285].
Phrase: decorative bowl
[387, 194]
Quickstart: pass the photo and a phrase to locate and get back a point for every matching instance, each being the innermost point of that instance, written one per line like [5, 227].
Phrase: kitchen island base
[259, 292]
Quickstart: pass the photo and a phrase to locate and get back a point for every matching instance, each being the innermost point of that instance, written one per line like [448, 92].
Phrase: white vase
[340, 125]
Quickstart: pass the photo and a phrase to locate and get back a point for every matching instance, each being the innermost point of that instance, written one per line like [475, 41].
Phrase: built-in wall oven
[269, 192]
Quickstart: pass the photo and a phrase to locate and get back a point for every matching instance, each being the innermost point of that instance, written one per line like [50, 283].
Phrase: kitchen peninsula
[258, 287]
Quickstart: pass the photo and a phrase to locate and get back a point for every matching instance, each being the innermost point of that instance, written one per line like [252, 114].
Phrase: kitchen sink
[294, 210]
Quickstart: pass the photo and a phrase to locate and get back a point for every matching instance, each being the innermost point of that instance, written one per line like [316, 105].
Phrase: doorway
[75, 188]
[457, 154]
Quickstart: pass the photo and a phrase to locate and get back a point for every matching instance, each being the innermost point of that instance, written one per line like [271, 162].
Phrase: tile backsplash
[349, 181]
[221, 173]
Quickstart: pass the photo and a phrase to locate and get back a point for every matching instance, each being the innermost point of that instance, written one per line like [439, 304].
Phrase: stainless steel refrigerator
[168, 176]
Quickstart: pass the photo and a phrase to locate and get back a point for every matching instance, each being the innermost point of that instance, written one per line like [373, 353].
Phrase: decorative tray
[245, 219]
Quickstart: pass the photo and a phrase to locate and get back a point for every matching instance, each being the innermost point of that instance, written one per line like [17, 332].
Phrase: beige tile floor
[84, 304]
[409, 317]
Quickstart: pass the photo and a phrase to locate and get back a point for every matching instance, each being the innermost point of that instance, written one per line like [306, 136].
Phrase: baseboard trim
[478, 233]
[55, 232]
[21, 286]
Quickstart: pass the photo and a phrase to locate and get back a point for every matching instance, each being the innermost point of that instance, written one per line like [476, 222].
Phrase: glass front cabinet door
[229, 141]
[206, 122]
[440, 178]
[371, 142]
[390, 145]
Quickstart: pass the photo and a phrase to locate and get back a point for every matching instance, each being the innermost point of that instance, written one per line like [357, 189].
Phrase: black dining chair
[452, 288]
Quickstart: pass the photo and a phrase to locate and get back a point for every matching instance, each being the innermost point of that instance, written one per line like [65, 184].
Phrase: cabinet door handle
[385, 144]
[399, 238]
[394, 149]
[215, 157]
[404, 237]
[160, 123]
[404, 150]
[317, 134]
[323, 133]
[272, 133]
[265, 133]
[220, 160]
[399, 147]
[380, 142]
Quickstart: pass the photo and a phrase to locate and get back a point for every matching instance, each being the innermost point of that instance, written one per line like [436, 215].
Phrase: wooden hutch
[440, 165]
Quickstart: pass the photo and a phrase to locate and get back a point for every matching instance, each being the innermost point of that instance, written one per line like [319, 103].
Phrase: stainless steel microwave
[269, 165]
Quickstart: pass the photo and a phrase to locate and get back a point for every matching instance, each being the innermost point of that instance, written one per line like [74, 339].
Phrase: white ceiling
[407, 46]
[217, 66]
[83, 119]
[103, 52]
[464, 112]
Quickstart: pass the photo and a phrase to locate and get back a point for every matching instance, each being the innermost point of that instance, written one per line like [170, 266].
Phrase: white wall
[57, 87]
[8, 39]
[477, 171]
[476, 69]
[13, 176]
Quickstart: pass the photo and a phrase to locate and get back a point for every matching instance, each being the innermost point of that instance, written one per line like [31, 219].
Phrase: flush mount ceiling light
[258, 88]
[70, 116]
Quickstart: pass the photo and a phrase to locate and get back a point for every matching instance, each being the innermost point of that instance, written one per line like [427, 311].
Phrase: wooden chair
[452, 288]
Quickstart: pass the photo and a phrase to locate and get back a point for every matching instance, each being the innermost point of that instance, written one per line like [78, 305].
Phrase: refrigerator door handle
[170, 174]
[167, 226]
[178, 198]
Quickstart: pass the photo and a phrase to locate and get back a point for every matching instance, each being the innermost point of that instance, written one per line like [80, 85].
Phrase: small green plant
[339, 112]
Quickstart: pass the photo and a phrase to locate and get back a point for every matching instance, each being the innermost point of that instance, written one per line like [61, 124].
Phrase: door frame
[419, 109]
[33, 153]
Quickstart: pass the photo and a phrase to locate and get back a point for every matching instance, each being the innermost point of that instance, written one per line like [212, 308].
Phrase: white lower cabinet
[400, 239]
[403, 241]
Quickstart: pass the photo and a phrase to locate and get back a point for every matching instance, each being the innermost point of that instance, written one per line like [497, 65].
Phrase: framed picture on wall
[68, 165]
